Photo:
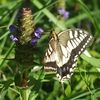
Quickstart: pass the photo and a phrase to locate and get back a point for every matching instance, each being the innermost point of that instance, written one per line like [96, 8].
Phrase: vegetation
[38, 85]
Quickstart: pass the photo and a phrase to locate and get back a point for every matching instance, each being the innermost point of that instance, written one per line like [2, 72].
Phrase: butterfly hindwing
[49, 58]
[63, 51]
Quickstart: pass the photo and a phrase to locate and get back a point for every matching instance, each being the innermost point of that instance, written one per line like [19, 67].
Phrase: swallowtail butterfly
[63, 50]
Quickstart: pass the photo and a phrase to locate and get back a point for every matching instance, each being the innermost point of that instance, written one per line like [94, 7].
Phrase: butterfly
[63, 50]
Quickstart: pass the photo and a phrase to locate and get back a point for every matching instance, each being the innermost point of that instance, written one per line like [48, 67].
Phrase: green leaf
[68, 90]
[93, 61]
[4, 88]
[35, 80]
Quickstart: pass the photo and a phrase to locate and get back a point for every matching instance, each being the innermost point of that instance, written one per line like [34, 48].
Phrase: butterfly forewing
[61, 53]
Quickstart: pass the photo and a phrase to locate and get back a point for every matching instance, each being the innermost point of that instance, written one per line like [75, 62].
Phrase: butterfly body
[63, 50]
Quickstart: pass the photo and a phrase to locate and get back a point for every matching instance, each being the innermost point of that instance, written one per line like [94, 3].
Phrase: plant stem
[24, 84]
[24, 94]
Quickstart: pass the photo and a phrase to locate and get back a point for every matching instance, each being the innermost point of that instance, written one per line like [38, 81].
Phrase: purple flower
[13, 38]
[39, 30]
[38, 33]
[66, 14]
[61, 10]
[33, 42]
[13, 28]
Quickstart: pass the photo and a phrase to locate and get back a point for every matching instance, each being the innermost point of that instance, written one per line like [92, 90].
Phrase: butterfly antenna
[63, 89]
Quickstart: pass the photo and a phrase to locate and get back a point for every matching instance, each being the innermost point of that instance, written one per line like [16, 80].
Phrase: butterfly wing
[75, 39]
[75, 42]
[49, 58]
[62, 59]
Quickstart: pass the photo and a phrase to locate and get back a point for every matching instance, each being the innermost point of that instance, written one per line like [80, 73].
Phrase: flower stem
[24, 94]
[24, 84]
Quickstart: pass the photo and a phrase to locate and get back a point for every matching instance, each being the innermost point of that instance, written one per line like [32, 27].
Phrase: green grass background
[85, 82]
